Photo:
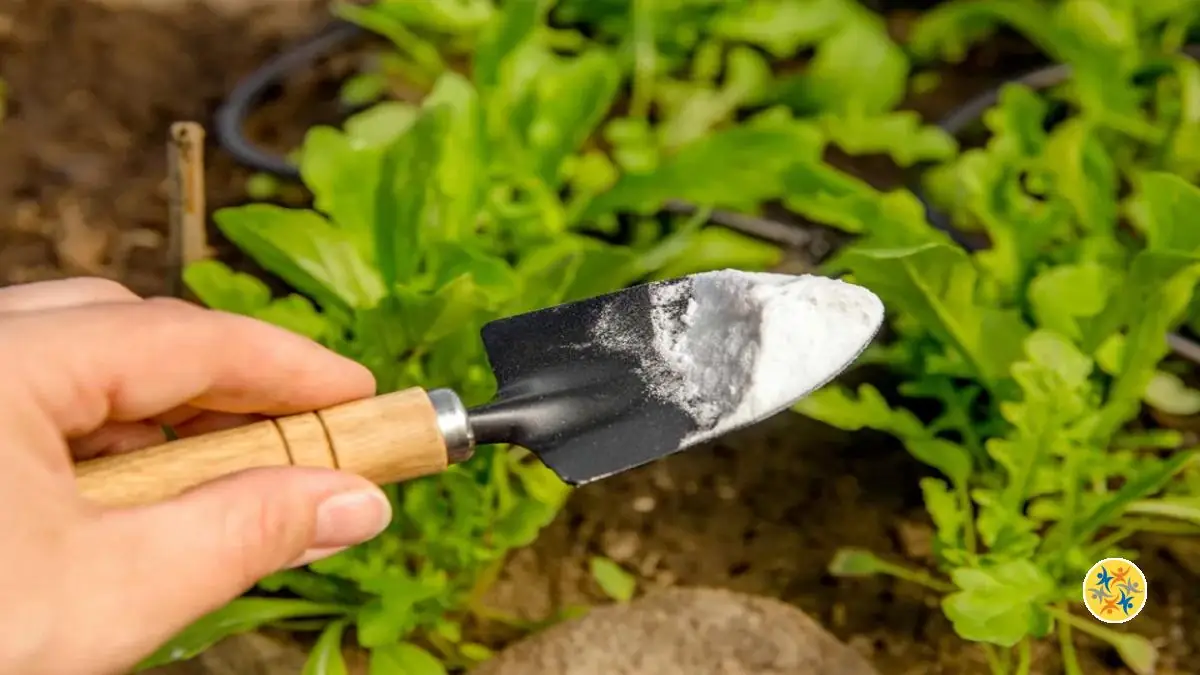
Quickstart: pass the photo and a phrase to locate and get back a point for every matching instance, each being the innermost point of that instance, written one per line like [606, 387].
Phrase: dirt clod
[685, 631]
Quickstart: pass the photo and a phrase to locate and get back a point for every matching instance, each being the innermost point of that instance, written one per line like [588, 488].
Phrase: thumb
[163, 566]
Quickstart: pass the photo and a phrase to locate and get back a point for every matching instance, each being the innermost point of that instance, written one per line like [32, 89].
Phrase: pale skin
[87, 368]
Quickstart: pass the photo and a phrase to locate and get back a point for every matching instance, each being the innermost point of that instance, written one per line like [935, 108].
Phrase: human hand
[88, 368]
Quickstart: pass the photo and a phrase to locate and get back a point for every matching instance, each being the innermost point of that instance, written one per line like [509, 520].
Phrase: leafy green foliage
[1039, 351]
[613, 579]
[576, 118]
[428, 221]
[326, 657]
[238, 616]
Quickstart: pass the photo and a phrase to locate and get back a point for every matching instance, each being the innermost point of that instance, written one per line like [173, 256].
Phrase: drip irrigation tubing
[237, 107]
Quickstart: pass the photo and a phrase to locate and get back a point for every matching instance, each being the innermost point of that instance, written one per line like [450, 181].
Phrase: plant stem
[1025, 657]
[1069, 658]
[1098, 632]
[1159, 526]
[964, 494]
[301, 625]
[424, 54]
[1184, 510]
[917, 577]
[644, 55]
[547, 203]
[998, 666]
[1112, 539]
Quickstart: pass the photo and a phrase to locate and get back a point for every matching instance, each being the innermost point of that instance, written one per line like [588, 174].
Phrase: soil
[92, 92]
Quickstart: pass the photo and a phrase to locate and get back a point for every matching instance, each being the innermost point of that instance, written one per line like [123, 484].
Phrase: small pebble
[644, 504]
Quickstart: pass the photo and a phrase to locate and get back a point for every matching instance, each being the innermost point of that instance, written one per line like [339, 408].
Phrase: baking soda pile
[731, 348]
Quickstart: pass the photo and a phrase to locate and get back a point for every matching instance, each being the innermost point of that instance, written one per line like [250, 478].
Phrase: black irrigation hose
[232, 114]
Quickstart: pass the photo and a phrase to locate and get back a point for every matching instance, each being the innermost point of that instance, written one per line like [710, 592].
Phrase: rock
[684, 631]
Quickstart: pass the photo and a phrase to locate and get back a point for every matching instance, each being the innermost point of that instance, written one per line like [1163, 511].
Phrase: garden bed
[82, 162]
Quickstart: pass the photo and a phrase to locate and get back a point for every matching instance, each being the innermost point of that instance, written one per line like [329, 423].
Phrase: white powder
[731, 347]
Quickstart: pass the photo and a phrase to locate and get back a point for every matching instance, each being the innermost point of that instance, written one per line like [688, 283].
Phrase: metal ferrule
[455, 425]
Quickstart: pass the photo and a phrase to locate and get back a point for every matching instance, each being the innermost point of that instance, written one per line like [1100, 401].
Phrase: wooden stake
[188, 237]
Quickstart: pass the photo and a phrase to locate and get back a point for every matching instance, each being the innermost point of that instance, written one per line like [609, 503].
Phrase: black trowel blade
[574, 390]
[581, 407]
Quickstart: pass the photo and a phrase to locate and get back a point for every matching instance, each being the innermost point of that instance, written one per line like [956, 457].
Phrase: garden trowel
[591, 388]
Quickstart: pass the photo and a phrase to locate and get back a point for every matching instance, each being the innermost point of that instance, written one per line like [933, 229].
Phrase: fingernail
[315, 554]
[351, 518]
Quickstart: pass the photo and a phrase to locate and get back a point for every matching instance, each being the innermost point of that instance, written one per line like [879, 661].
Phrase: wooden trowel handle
[386, 439]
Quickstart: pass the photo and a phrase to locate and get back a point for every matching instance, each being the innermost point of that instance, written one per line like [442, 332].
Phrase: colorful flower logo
[1114, 590]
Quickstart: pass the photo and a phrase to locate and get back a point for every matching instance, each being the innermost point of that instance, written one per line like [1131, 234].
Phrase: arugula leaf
[691, 110]
[1149, 480]
[885, 220]
[900, 135]
[326, 656]
[378, 125]
[407, 202]
[781, 27]
[423, 54]
[1064, 297]
[719, 248]
[298, 315]
[999, 605]
[615, 581]
[460, 16]
[499, 39]
[737, 168]
[857, 69]
[1164, 207]
[343, 179]
[566, 116]
[239, 616]
[937, 285]
[1168, 393]
[405, 658]
[306, 251]
[221, 288]
[835, 406]
[1085, 175]
[1152, 300]
[852, 562]
[463, 162]
[949, 517]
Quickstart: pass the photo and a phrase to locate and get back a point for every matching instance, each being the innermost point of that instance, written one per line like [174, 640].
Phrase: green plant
[692, 66]
[420, 233]
[1039, 351]
[482, 195]
[616, 583]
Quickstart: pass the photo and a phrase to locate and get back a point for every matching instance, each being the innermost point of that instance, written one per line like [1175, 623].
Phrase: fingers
[83, 366]
[118, 437]
[45, 295]
[180, 559]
